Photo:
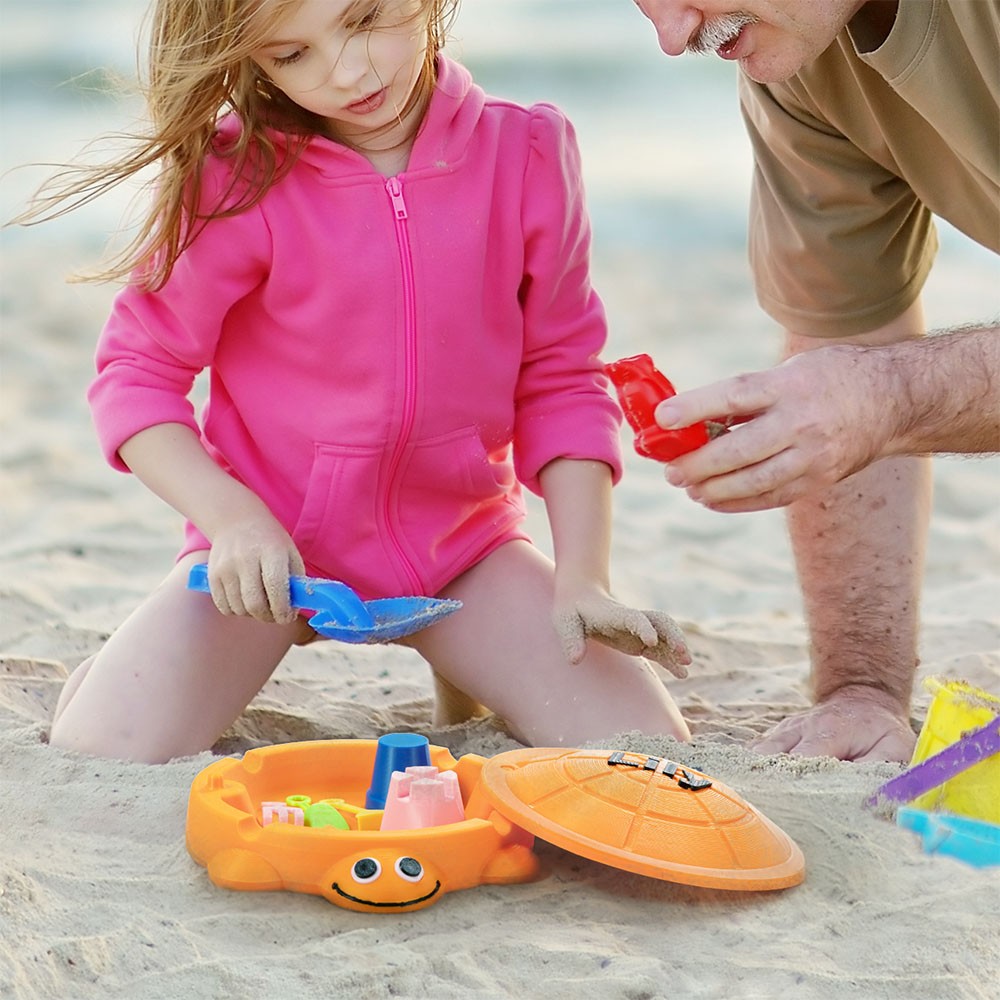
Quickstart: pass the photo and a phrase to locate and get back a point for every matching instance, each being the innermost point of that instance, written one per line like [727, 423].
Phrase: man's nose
[675, 23]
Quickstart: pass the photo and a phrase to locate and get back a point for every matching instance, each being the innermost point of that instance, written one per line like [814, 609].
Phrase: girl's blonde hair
[199, 68]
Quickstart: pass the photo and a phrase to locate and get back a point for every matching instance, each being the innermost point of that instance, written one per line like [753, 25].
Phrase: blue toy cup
[395, 752]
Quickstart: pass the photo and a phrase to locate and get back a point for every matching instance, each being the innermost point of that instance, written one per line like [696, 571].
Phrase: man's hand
[854, 723]
[595, 615]
[830, 410]
[809, 423]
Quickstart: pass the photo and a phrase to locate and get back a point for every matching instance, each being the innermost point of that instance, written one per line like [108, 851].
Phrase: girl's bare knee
[452, 706]
[70, 688]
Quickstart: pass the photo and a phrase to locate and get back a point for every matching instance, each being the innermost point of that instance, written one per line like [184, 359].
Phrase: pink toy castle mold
[421, 797]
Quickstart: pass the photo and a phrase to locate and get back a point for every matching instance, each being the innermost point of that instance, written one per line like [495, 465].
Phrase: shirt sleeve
[155, 343]
[563, 407]
[839, 245]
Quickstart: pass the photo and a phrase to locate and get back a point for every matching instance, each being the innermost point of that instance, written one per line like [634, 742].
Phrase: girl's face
[353, 62]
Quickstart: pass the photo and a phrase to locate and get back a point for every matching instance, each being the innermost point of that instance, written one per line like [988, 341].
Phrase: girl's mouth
[367, 104]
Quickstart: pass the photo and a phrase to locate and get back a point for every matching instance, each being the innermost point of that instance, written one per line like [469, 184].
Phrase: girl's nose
[350, 63]
[675, 23]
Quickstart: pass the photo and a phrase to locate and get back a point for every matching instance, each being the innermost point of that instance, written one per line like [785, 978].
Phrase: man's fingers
[893, 746]
[772, 744]
[742, 395]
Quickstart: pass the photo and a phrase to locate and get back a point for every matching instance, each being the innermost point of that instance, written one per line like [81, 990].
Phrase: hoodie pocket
[337, 526]
[446, 500]
[453, 498]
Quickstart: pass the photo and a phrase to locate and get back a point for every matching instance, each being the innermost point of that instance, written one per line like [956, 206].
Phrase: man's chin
[765, 72]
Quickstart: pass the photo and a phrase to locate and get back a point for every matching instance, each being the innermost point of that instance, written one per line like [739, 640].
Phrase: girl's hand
[252, 556]
[249, 566]
[591, 613]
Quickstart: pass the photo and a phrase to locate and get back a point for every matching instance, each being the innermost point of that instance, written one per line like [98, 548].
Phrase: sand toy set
[391, 825]
[952, 785]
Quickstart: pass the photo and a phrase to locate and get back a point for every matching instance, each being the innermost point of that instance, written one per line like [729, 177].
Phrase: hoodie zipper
[394, 188]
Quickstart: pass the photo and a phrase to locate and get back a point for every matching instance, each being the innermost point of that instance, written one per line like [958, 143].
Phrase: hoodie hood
[452, 114]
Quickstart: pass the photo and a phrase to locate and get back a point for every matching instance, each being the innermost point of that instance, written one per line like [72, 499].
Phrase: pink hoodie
[385, 355]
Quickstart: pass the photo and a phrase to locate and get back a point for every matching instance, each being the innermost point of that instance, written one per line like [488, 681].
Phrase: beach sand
[98, 895]
[99, 898]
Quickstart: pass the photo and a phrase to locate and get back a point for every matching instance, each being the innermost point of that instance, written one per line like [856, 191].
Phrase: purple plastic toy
[960, 756]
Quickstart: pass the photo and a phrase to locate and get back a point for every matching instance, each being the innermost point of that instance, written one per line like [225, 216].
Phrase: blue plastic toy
[341, 614]
[973, 841]
[395, 752]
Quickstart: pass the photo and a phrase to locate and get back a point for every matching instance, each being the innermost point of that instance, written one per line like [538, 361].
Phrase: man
[865, 118]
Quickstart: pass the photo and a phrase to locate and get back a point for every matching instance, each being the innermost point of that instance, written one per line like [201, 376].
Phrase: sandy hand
[248, 569]
[652, 634]
[854, 723]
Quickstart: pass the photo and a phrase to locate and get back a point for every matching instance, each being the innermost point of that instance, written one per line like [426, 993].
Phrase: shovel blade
[392, 618]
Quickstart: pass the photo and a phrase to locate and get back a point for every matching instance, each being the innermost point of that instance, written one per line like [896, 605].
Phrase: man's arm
[826, 413]
[954, 384]
[859, 549]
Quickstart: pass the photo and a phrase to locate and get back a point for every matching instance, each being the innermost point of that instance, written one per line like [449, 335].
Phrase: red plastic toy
[641, 387]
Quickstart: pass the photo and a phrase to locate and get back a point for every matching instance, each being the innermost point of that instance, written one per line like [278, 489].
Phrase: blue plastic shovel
[341, 614]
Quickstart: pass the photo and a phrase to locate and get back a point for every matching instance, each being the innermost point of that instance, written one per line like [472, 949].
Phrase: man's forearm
[947, 387]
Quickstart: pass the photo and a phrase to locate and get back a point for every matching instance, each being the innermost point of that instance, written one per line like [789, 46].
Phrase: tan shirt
[854, 154]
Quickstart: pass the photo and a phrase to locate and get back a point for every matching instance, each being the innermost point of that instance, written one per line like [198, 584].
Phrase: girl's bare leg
[502, 650]
[171, 679]
[451, 706]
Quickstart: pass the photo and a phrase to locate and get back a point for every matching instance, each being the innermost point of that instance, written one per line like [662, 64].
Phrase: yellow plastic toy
[959, 708]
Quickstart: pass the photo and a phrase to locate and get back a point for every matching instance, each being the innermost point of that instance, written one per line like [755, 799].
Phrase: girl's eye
[287, 60]
[370, 19]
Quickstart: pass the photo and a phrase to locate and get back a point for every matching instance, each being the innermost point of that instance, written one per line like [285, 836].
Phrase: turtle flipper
[237, 868]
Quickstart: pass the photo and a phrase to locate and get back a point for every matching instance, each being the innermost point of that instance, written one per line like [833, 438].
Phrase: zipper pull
[395, 189]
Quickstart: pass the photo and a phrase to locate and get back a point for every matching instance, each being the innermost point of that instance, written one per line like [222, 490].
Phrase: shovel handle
[331, 596]
[972, 748]
[308, 594]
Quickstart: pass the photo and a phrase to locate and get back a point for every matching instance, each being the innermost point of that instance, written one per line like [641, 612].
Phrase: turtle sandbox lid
[644, 814]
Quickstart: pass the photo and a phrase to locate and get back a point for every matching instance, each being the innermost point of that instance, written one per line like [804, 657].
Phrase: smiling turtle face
[383, 880]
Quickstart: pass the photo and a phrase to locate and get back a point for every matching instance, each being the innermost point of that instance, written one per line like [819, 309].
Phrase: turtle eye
[409, 869]
[366, 870]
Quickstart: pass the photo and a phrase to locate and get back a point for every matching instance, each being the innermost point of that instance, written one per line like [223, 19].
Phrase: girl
[386, 273]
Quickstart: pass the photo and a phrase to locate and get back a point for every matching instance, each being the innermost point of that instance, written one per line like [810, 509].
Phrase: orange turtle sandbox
[362, 867]
[636, 812]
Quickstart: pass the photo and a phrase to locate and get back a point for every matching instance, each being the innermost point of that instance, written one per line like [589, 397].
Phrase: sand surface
[98, 896]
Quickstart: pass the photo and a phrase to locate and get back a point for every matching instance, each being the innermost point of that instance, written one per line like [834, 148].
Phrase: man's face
[771, 39]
